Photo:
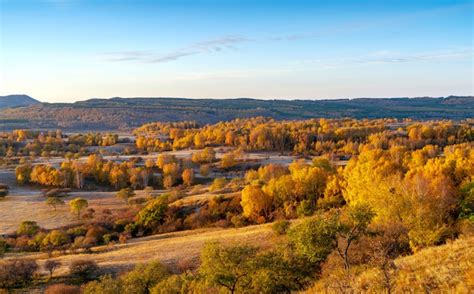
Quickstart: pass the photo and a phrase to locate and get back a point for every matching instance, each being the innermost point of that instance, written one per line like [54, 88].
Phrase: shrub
[17, 273]
[105, 285]
[3, 190]
[281, 227]
[83, 269]
[218, 184]
[3, 247]
[28, 228]
[305, 208]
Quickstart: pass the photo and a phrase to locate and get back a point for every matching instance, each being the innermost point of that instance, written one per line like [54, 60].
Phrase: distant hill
[124, 113]
[17, 100]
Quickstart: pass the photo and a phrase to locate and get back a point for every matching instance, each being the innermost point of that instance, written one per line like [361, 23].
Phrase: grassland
[168, 248]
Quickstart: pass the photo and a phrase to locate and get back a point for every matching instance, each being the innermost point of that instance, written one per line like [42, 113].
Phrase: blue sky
[69, 50]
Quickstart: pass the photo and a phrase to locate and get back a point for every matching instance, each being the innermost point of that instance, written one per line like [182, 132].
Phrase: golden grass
[439, 269]
[443, 269]
[168, 248]
[19, 207]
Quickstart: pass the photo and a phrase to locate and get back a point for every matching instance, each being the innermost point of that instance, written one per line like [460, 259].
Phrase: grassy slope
[443, 269]
[168, 248]
[450, 266]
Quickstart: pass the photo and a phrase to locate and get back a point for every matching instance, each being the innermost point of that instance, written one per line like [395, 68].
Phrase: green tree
[144, 277]
[77, 205]
[315, 238]
[28, 228]
[105, 285]
[153, 214]
[355, 221]
[228, 267]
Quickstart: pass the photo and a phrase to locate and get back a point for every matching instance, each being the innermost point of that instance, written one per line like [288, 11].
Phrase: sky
[70, 50]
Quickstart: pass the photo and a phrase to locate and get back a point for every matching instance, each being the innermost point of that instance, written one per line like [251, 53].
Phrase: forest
[250, 205]
[127, 113]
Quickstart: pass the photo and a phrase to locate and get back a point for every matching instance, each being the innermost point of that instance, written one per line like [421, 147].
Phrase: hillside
[442, 269]
[126, 113]
[17, 100]
[168, 248]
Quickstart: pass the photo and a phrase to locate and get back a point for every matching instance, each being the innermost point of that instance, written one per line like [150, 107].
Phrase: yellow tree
[256, 204]
[188, 176]
[77, 205]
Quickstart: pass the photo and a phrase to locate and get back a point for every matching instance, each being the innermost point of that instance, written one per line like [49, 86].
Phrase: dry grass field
[17, 208]
[169, 248]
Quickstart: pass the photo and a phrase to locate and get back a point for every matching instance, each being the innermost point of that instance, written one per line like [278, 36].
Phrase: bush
[3, 247]
[62, 289]
[305, 208]
[105, 285]
[17, 273]
[144, 277]
[218, 184]
[281, 227]
[28, 228]
[83, 269]
[3, 190]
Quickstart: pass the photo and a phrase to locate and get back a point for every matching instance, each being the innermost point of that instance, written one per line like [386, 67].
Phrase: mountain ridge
[124, 113]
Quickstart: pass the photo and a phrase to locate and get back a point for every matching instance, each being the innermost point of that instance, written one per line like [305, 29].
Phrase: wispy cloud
[203, 47]
[392, 57]
[383, 57]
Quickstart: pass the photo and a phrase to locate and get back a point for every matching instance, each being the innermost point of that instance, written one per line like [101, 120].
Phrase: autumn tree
[77, 205]
[204, 170]
[54, 202]
[228, 160]
[188, 176]
[256, 204]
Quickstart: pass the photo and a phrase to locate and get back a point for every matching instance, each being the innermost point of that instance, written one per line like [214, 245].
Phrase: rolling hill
[17, 100]
[126, 113]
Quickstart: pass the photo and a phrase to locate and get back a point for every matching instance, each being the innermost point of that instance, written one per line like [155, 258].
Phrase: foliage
[143, 278]
[83, 269]
[281, 227]
[15, 273]
[28, 228]
[105, 285]
[229, 267]
[153, 214]
[77, 205]
[256, 203]
[315, 238]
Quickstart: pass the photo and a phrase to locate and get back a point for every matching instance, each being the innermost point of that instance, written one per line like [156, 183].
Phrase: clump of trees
[3, 190]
